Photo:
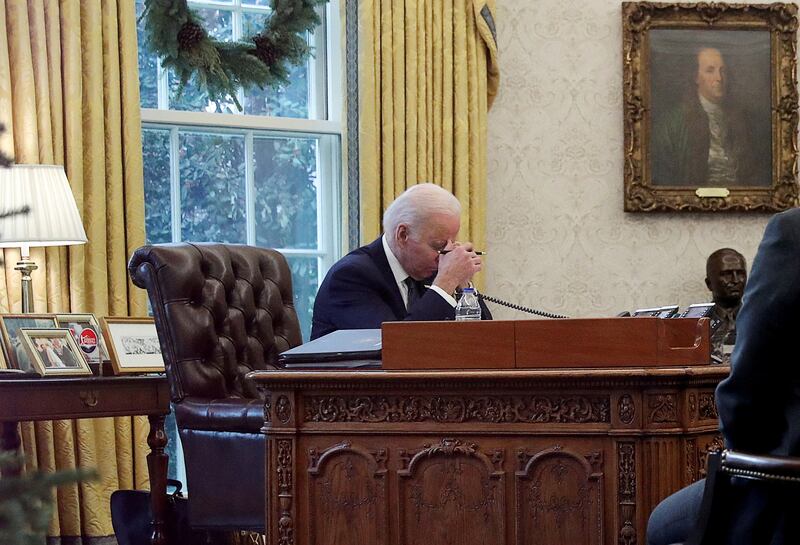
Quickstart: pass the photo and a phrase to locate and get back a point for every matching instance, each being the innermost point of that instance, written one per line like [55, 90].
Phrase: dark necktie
[415, 291]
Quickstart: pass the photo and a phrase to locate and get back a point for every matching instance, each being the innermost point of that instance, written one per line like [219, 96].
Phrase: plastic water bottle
[468, 307]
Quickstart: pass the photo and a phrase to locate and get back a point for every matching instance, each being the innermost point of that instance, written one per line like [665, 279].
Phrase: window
[268, 176]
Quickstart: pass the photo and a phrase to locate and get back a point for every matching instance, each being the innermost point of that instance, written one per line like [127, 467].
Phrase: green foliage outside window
[211, 168]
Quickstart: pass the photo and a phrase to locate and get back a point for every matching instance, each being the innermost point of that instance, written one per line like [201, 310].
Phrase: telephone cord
[523, 309]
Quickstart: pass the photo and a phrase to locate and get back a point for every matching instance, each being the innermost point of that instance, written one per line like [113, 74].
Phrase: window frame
[325, 122]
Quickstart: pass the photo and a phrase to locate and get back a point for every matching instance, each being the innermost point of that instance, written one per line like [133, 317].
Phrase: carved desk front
[545, 457]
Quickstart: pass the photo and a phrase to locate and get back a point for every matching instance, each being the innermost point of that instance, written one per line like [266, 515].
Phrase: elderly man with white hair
[409, 273]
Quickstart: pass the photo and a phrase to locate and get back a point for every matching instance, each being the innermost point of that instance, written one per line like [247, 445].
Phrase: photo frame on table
[3, 358]
[710, 107]
[54, 352]
[133, 344]
[10, 324]
[77, 323]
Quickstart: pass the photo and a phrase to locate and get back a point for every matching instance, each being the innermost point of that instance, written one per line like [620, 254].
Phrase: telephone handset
[519, 307]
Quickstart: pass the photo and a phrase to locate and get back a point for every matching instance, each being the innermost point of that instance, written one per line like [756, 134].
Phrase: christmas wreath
[176, 34]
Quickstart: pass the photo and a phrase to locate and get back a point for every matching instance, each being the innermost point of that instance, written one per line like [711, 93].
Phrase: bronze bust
[726, 275]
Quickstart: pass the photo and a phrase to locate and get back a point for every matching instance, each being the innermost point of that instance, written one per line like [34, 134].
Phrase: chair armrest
[721, 466]
[227, 414]
[760, 467]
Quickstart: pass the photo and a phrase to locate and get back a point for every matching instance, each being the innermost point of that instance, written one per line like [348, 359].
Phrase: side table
[82, 397]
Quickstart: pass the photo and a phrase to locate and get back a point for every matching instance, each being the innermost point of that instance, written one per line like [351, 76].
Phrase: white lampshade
[52, 219]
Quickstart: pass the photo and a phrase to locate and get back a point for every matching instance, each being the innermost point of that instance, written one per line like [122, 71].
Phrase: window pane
[305, 281]
[219, 24]
[193, 99]
[285, 179]
[212, 187]
[157, 212]
[287, 101]
[253, 22]
[148, 68]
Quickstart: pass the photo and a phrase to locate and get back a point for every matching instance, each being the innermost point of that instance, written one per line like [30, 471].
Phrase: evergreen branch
[26, 501]
[177, 35]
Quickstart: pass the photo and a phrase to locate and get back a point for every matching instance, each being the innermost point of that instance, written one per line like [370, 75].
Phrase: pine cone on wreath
[190, 35]
[265, 51]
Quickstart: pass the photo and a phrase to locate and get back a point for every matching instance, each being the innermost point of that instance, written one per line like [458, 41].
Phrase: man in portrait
[706, 139]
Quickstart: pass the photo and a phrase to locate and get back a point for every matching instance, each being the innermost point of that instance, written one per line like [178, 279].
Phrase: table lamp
[37, 208]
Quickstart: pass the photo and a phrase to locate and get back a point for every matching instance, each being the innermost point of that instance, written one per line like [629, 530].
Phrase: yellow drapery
[427, 75]
[69, 94]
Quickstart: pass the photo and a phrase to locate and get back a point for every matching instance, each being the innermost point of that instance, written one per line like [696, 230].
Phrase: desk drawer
[88, 399]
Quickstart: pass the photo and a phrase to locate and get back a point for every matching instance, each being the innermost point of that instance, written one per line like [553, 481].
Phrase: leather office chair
[221, 311]
[779, 475]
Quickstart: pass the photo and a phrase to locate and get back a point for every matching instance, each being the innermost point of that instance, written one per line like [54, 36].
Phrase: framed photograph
[710, 97]
[54, 352]
[10, 324]
[87, 334]
[133, 344]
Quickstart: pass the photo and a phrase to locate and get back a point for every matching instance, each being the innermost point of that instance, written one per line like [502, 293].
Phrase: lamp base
[26, 266]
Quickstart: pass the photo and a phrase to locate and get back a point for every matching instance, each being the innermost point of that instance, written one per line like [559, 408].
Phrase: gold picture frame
[133, 344]
[710, 107]
[10, 325]
[3, 358]
[54, 352]
[74, 321]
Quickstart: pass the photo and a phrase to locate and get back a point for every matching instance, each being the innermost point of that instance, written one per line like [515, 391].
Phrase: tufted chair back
[221, 311]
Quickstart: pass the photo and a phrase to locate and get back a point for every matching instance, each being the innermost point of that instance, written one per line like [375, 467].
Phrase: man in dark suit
[759, 403]
[409, 273]
[707, 139]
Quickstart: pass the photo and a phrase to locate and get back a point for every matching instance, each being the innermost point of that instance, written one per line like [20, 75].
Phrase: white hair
[415, 206]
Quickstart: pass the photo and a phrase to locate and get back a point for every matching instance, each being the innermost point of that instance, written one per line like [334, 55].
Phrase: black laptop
[342, 349]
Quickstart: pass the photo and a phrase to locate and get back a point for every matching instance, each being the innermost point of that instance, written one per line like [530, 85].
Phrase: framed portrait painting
[133, 344]
[10, 326]
[53, 352]
[710, 107]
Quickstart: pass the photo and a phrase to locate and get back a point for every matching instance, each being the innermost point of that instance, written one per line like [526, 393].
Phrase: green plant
[179, 38]
[26, 501]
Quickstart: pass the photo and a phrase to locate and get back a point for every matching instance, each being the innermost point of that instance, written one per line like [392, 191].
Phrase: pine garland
[26, 502]
[177, 35]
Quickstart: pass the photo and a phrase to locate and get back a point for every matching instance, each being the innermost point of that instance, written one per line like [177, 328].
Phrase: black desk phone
[670, 311]
[698, 310]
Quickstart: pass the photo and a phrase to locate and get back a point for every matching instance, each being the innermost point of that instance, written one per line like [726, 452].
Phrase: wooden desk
[548, 457]
[68, 398]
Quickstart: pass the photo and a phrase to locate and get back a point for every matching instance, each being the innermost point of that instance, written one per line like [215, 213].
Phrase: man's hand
[457, 267]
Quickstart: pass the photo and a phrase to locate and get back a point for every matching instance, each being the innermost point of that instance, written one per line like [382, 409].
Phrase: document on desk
[345, 348]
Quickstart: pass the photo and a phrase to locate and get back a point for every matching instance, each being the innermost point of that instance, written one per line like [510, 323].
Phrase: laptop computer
[342, 349]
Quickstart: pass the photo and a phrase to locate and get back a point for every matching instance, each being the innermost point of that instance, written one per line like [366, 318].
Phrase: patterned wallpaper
[557, 236]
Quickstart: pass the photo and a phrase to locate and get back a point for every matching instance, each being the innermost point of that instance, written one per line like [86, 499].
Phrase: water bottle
[468, 307]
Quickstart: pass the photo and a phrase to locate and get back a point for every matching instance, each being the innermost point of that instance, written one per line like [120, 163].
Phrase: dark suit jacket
[759, 403]
[359, 292]
[681, 140]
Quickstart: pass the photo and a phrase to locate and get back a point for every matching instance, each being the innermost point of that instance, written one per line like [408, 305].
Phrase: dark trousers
[673, 519]
[745, 512]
